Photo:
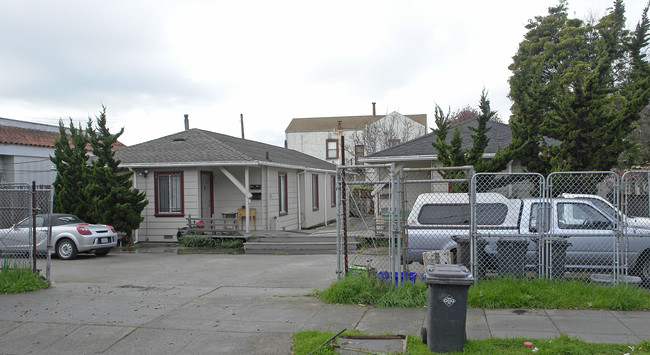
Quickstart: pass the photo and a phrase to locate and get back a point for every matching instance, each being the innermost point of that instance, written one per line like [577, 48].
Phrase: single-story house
[206, 174]
[420, 153]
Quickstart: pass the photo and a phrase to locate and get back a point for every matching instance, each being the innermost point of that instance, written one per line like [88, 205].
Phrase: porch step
[294, 243]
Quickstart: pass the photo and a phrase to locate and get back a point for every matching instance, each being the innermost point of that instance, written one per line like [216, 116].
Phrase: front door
[207, 207]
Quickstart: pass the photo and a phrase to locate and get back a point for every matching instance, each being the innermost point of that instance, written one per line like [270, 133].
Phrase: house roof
[197, 147]
[347, 122]
[29, 134]
[421, 148]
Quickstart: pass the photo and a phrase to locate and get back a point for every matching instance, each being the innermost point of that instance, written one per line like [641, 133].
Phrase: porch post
[247, 184]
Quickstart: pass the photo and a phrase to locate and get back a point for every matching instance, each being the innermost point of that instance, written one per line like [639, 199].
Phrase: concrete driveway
[158, 302]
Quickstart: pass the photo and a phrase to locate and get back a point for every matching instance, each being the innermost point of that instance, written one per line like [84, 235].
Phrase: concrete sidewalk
[165, 303]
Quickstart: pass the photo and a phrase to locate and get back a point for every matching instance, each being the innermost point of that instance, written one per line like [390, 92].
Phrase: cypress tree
[71, 162]
[114, 200]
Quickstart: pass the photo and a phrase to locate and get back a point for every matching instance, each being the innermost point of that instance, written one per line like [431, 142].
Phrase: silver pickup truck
[591, 232]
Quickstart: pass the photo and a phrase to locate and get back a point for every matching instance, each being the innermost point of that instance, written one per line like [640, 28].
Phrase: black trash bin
[463, 253]
[447, 287]
[512, 256]
[558, 246]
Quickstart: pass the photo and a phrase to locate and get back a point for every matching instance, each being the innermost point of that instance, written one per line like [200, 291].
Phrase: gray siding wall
[228, 199]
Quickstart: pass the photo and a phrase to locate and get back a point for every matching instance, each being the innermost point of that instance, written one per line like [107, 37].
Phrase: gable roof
[347, 122]
[422, 149]
[196, 147]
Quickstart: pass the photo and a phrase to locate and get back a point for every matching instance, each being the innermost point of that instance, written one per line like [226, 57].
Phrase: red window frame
[327, 149]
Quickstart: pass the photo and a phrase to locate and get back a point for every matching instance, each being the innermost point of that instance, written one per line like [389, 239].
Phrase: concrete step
[294, 243]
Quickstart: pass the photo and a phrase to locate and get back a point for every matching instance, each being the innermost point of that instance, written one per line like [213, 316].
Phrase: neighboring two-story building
[364, 135]
[25, 150]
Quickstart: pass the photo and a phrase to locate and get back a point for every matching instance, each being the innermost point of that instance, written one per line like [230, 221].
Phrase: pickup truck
[591, 232]
[603, 204]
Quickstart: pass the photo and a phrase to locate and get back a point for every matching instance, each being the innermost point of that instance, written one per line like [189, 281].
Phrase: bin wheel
[423, 335]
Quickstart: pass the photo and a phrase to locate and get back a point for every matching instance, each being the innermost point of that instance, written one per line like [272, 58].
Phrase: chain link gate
[635, 212]
[584, 211]
[368, 237]
[430, 197]
[19, 206]
[507, 219]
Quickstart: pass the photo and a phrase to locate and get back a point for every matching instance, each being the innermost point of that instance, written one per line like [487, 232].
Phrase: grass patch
[492, 294]
[558, 294]
[370, 290]
[17, 278]
[308, 340]
[202, 241]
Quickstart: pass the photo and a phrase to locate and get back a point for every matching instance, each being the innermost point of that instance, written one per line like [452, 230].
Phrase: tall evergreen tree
[113, 199]
[577, 90]
[71, 162]
[452, 153]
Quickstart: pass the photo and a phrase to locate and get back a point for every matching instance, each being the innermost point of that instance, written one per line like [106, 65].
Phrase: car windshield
[69, 219]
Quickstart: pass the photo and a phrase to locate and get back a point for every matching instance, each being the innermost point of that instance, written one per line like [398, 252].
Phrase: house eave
[390, 159]
[397, 158]
[221, 163]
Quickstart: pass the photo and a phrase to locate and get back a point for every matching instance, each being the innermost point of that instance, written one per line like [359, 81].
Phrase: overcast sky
[151, 62]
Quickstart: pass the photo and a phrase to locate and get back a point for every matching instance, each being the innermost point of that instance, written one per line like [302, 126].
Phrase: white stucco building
[363, 135]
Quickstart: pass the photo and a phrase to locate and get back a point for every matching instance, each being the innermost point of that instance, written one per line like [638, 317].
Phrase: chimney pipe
[242, 125]
[187, 122]
[374, 113]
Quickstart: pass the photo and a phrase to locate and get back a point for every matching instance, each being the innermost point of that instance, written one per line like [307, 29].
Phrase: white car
[70, 236]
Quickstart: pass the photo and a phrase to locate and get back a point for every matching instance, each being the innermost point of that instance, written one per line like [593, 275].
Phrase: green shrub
[203, 241]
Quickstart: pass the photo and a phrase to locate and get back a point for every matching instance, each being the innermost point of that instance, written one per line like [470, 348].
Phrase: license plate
[104, 240]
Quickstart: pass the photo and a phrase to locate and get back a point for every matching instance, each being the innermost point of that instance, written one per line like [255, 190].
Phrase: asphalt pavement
[156, 301]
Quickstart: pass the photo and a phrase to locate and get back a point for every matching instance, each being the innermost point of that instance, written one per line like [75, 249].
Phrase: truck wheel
[644, 271]
[66, 249]
[423, 335]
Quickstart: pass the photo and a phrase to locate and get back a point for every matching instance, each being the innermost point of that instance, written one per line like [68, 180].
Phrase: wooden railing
[214, 225]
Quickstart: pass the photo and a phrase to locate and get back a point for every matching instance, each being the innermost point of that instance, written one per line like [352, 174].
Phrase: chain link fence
[24, 233]
[593, 226]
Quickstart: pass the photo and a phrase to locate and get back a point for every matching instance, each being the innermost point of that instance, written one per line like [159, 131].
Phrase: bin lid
[449, 274]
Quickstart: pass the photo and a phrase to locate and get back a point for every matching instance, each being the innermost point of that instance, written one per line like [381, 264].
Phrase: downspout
[247, 200]
[265, 187]
[326, 205]
[135, 186]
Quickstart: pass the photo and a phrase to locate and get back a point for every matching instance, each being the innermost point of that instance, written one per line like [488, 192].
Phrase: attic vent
[179, 139]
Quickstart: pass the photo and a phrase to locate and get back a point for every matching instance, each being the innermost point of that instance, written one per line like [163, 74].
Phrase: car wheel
[66, 249]
[102, 252]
